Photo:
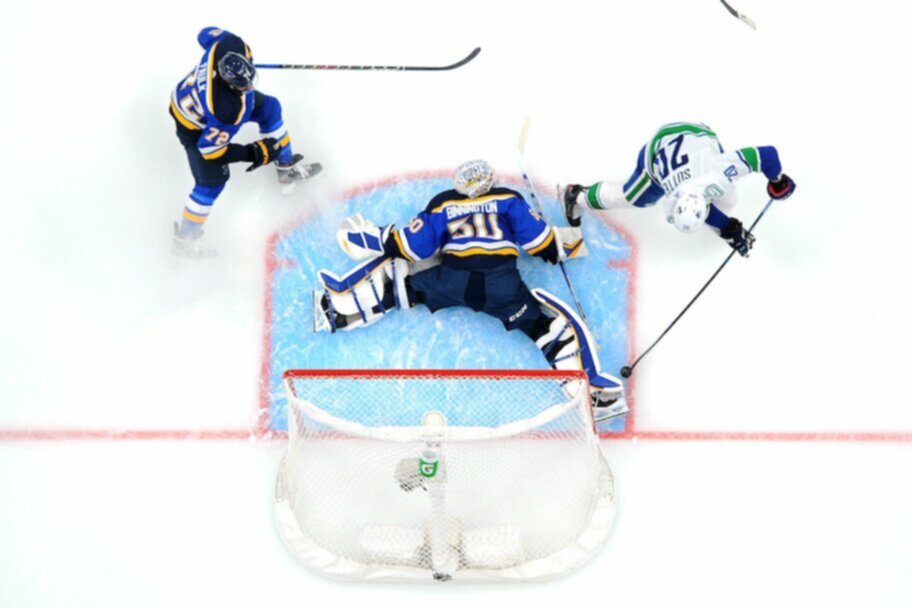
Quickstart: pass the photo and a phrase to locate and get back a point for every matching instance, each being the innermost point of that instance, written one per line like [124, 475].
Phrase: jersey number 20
[678, 160]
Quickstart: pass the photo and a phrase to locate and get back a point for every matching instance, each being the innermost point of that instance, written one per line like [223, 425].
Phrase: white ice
[102, 331]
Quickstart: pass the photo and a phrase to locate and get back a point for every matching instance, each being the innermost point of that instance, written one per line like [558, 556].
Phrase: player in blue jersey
[471, 237]
[684, 164]
[209, 106]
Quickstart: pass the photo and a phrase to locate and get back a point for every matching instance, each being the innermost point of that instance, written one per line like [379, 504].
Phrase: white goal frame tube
[452, 433]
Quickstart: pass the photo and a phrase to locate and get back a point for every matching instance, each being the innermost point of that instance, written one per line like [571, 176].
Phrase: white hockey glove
[360, 239]
[408, 474]
[570, 243]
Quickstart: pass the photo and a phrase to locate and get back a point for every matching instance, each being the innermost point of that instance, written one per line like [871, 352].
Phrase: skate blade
[203, 254]
[291, 187]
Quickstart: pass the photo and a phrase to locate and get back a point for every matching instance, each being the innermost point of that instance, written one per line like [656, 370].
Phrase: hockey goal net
[464, 475]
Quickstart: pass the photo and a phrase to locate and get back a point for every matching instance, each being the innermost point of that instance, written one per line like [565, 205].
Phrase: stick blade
[523, 134]
[748, 21]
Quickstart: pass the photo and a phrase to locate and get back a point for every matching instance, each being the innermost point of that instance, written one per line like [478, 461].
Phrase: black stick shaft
[394, 68]
[739, 15]
[731, 10]
[630, 368]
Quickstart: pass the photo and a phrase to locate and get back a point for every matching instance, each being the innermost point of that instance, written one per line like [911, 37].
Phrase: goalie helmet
[690, 210]
[474, 178]
[237, 71]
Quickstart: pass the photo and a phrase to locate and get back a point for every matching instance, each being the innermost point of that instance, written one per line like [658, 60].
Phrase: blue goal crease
[416, 339]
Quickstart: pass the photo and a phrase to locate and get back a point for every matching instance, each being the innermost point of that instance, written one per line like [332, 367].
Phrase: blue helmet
[237, 71]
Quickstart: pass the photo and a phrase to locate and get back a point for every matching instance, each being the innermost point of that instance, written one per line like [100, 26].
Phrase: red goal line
[255, 435]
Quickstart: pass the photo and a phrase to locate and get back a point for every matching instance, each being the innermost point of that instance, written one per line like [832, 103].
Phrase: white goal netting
[442, 475]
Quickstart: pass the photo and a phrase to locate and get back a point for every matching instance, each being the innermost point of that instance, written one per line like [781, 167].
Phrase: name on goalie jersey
[460, 210]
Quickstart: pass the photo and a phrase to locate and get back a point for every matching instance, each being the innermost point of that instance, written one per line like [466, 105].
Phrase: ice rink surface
[768, 461]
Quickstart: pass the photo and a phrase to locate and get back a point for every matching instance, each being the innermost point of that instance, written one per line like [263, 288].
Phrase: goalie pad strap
[364, 294]
[352, 278]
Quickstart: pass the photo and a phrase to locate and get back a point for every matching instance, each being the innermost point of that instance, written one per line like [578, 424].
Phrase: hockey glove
[571, 207]
[781, 187]
[740, 239]
[262, 152]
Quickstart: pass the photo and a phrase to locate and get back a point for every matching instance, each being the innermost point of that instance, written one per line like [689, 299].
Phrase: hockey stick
[525, 175]
[627, 370]
[394, 68]
[750, 22]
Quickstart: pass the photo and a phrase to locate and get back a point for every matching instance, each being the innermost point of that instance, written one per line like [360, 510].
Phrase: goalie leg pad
[363, 295]
[568, 345]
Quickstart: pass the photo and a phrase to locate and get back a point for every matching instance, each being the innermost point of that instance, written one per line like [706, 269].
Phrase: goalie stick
[393, 68]
[521, 146]
[627, 370]
[747, 20]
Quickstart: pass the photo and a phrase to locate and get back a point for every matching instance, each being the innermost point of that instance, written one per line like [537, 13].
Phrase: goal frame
[563, 561]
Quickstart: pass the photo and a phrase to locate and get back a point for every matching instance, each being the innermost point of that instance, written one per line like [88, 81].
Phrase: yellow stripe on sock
[192, 217]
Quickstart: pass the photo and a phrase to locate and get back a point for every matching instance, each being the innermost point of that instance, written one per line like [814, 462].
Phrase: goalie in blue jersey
[467, 241]
[209, 106]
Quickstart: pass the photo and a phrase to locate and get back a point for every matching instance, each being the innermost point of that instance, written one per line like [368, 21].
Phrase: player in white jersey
[684, 164]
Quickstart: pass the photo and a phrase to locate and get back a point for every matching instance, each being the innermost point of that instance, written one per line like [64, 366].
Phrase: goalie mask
[689, 211]
[474, 178]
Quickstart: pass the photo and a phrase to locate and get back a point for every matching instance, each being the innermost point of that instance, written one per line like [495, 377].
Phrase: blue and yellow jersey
[202, 103]
[475, 232]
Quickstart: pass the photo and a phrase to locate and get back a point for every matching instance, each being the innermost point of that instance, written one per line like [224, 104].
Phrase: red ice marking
[262, 419]
[515, 181]
[124, 435]
[630, 265]
[261, 431]
[795, 436]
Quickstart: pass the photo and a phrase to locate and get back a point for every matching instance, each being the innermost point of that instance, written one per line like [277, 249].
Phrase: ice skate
[188, 245]
[606, 406]
[295, 172]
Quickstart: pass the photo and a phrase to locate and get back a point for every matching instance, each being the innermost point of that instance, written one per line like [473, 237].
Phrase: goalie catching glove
[361, 239]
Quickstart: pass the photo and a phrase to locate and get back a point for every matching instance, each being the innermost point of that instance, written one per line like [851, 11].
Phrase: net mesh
[375, 485]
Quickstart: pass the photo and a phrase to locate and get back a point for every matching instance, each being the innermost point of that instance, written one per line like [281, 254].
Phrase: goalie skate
[607, 407]
[295, 172]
